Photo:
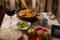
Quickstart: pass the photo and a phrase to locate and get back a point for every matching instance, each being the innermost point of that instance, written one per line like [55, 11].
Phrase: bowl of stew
[27, 15]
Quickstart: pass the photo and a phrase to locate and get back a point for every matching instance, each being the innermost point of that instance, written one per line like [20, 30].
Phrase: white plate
[26, 27]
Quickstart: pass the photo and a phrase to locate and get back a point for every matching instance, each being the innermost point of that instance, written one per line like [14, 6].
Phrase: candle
[34, 4]
[12, 4]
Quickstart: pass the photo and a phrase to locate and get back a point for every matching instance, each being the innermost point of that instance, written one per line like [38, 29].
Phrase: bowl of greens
[23, 25]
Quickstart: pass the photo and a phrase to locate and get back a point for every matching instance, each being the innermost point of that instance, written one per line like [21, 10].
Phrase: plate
[23, 25]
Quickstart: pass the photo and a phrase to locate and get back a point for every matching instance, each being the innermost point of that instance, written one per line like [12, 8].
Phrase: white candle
[34, 4]
[12, 4]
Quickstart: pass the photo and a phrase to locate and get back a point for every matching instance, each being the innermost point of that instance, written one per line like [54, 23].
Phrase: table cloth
[7, 20]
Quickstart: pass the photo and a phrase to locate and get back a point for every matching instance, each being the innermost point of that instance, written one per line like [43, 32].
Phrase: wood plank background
[2, 12]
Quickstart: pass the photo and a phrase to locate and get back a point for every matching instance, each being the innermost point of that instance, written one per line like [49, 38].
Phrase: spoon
[24, 4]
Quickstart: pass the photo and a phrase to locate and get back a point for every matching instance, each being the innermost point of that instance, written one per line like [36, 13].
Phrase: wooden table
[6, 22]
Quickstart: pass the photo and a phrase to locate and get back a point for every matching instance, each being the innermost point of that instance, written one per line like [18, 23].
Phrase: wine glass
[10, 12]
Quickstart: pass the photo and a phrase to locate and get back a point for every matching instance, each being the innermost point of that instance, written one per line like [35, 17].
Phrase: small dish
[23, 25]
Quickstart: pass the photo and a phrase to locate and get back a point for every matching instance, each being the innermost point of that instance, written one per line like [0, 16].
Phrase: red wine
[10, 12]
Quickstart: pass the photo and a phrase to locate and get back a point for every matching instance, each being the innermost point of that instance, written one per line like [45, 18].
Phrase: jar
[43, 21]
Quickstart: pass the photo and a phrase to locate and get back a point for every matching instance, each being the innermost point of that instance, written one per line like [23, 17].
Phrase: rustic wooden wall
[2, 12]
[55, 7]
[58, 12]
[48, 6]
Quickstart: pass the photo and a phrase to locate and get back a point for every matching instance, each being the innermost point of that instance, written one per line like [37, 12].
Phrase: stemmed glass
[10, 12]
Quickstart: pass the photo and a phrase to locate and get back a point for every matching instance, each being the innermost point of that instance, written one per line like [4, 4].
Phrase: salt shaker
[52, 17]
[49, 14]
[43, 21]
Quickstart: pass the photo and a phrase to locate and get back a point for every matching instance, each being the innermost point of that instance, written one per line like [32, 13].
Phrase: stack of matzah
[9, 34]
